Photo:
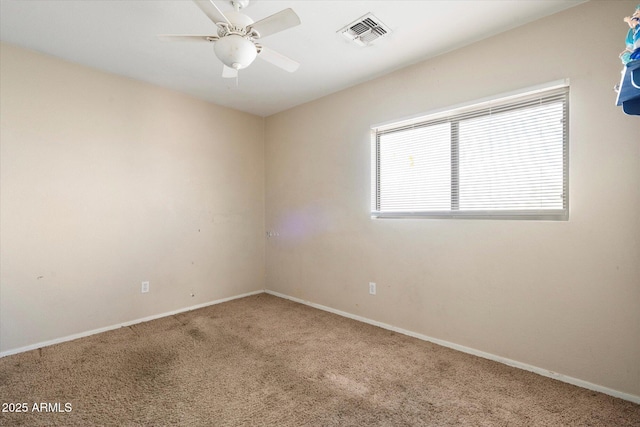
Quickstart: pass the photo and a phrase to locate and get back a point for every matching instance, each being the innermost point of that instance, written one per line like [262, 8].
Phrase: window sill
[537, 215]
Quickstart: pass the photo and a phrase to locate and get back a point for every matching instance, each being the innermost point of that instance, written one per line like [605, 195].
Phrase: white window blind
[507, 158]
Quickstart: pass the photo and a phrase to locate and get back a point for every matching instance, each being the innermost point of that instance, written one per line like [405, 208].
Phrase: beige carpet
[265, 361]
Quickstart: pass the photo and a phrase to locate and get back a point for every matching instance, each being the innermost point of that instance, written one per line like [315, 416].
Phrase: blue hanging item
[629, 88]
[632, 42]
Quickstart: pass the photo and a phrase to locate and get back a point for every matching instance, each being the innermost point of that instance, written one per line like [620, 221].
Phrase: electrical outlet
[145, 287]
[372, 288]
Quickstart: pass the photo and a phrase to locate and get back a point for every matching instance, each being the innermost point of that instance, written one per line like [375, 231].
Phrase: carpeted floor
[265, 361]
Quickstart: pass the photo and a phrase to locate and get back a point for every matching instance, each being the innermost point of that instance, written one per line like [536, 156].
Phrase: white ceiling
[120, 37]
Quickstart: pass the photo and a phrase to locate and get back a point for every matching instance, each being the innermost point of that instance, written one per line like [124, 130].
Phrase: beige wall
[562, 296]
[106, 182]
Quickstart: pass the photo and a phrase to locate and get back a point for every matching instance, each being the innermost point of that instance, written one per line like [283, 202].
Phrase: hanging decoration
[629, 87]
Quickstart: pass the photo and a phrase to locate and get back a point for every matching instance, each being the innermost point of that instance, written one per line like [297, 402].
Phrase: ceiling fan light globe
[235, 51]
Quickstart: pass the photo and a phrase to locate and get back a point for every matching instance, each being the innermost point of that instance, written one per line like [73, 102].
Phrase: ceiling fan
[236, 43]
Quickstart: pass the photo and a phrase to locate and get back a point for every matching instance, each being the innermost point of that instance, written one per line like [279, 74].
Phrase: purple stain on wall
[304, 223]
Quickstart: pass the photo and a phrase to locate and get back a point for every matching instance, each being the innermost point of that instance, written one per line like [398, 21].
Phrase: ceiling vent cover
[365, 30]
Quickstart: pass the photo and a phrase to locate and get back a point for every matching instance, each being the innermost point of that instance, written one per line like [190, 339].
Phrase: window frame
[558, 91]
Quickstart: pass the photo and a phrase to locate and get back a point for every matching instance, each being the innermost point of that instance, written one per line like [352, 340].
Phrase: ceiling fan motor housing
[239, 23]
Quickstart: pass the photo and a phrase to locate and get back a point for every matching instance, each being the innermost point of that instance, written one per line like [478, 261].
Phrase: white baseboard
[120, 325]
[504, 360]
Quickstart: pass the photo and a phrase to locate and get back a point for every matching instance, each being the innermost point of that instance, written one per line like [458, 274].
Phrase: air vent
[365, 30]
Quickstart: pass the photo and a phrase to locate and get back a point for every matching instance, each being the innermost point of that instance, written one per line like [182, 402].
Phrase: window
[507, 158]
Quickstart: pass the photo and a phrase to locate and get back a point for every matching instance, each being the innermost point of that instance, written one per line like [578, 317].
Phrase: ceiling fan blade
[186, 38]
[275, 23]
[278, 59]
[211, 10]
[229, 73]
